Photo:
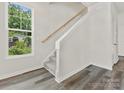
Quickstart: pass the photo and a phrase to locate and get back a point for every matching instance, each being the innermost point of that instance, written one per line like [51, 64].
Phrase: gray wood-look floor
[91, 78]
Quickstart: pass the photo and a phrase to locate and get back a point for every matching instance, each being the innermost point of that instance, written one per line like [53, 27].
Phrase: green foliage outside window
[19, 48]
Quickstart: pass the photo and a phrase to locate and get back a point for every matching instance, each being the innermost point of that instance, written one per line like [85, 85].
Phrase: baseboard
[19, 72]
[59, 80]
[108, 68]
[121, 54]
[116, 60]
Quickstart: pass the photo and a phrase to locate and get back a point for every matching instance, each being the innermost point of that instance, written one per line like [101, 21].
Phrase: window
[19, 29]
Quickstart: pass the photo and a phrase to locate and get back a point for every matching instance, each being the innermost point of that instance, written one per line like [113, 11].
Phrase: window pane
[19, 19]
[14, 22]
[14, 9]
[25, 12]
[26, 24]
[19, 16]
[19, 43]
[29, 34]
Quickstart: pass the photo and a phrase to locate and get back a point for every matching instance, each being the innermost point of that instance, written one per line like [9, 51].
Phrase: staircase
[50, 64]
[52, 61]
[73, 50]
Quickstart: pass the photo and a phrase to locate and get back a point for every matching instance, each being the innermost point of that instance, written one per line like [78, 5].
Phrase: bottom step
[50, 66]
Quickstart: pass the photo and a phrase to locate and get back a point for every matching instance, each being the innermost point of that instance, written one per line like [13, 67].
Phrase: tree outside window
[20, 29]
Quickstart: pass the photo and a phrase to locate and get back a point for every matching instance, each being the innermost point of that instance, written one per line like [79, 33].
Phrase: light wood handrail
[57, 30]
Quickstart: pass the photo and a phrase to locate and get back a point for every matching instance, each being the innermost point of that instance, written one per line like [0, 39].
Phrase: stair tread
[50, 65]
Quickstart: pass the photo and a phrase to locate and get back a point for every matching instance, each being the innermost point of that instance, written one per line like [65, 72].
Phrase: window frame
[21, 30]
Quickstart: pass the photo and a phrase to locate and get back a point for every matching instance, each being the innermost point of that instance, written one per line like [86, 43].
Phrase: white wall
[10, 67]
[46, 20]
[101, 35]
[121, 34]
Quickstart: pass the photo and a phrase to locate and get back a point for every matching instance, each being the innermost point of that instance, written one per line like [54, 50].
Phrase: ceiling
[119, 6]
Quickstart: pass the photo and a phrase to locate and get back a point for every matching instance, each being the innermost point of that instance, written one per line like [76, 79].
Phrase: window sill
[20, 56]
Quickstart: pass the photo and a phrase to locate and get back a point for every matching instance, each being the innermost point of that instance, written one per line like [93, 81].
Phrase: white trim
[19, 72]
[59, 80]
[116, 60]
[33, 37]
[20, 56]
[120, 54]
[19, 17]
[105, 67]
[7, 29]
[20, 30]
[57, 63]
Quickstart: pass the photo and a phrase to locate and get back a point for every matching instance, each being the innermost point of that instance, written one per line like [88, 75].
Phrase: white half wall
[74, 50]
